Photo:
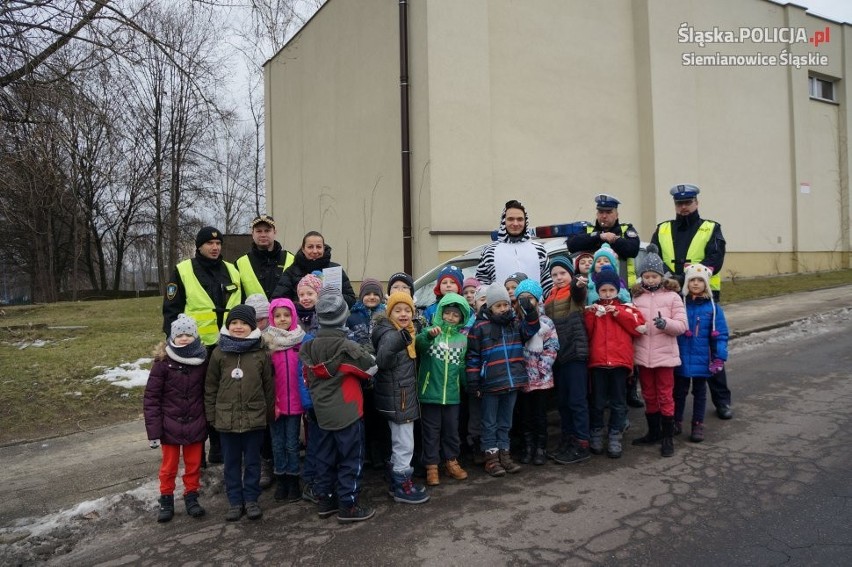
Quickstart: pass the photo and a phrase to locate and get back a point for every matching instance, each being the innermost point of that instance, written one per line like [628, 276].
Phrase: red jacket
[611, 335]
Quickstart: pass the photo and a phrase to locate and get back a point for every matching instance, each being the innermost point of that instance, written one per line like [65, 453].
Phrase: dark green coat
[238, 406]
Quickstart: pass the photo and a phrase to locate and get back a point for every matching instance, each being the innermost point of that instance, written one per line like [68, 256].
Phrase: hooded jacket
[698, 345]
[396, 381]
[495, 353]
[442, 358]
[286, 366]
[658, 348]
[301, 267]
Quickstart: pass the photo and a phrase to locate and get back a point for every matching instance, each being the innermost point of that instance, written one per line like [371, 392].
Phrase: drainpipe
[405, 146]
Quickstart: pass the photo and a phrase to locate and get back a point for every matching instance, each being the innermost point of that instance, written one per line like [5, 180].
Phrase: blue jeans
[241, 453]
[699, 397]
[285, 443]
[497, 408]
[572, 387]
[610, 385]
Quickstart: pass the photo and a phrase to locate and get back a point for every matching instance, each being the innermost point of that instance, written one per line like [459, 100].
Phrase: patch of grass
[48, 390]
[756, 288]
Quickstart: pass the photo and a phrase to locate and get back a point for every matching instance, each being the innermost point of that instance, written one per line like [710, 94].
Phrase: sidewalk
[43, 477]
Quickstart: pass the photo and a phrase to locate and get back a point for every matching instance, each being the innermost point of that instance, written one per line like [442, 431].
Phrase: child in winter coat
[174, 413]
[655, 350]
[400, 281]
[450, 280]
[496, 371]
[565, 306]
[442, 349]
[469, 288]
[396, 391]
[611, 326]
[333, 367]
[605, 256]
[239, 400]
[283, 338]
[308, 290]
[540, 352]
[703, 348]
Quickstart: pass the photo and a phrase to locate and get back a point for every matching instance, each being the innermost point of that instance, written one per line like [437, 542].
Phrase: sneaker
[355, 513]
[596, 442]
[614, 448]
[327, 506]
[574, 453]
[253, 511]
[697, 435]
[308, 494]
[234, 513]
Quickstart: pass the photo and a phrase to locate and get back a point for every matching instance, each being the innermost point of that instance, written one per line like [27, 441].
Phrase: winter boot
[596, 441]
[576, 452]
[294, 491]
[667, 448]
[193, 508]
[678, 428]
[355, 512]
[281, 488]
[326, 505]
[405, 491]
[613, 450]
[634, 400]
[697, 435]
[529, 448]
[234, 513]
[308, 494]
[432, 475]
[540, 455]
[507, 463]
[653, 435]
[265, 473]
[492, 463]
[454, 470]
[253, 511]
[167, 508]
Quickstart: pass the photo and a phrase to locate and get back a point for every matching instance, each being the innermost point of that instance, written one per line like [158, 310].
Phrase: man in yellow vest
[689, 239]
[262, 267]
[205, 288]
[624, 240]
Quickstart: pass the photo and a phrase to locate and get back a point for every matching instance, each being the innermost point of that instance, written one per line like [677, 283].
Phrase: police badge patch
[632, 234]
[171, 291]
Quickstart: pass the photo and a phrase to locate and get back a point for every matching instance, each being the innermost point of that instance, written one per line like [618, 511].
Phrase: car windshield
[424, 296]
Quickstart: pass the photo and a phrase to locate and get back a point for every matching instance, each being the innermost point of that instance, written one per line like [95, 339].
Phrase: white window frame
[817, 88]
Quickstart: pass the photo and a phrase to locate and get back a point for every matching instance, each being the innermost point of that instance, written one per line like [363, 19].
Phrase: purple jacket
[174, 403]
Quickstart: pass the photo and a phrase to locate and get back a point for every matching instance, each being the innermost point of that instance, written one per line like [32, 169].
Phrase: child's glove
[526, 304]
[406, 336]
[154, 443]
[600, 310]
[641, 329]
[716, 365]
[660, 323]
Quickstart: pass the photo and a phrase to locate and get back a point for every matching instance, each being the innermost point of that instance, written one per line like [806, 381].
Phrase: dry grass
[755, 288]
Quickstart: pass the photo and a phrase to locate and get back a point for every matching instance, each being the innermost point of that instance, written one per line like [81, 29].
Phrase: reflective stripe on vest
[694, 254]
[251, 284]
[628, 266]
[200, 306]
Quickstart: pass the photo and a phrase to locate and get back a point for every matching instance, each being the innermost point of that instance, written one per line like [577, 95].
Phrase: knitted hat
[693, 271]
[206, 234]
[480, 293]
[517, 277]
[579, 257]
[531, 287]
[184, 325]
[449, 272]
[331, 310]
[398, 297]
[495, 292]
[605, 250]
[652, 262]
[562, 261]
[471, 282]
[310, 281]
[244, 313]
[370, 285]
[260, 304]
[607, 276]
[401, 277]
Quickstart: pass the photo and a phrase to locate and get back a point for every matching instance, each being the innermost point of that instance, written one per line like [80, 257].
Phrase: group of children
[360, 380]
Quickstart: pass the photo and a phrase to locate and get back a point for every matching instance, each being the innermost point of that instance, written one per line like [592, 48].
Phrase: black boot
[282, 489]
[540, 454]
[634, 400]
[294, 491]
[653, 435]
[667, 448]
[193, 508]
[167, 508]
[529, 449]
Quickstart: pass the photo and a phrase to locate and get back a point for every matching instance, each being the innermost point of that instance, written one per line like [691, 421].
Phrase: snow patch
[815, 325]
[127, 375]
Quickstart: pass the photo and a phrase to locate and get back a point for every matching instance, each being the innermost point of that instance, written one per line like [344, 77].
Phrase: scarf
[651, 288]
[304, 314]
[237, 345]
[281, 339]
[192, 354]
[411, 348]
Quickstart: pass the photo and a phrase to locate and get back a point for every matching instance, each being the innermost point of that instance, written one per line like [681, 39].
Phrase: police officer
[624, 240]
[689, 239]
[262, 267]
[205, 288]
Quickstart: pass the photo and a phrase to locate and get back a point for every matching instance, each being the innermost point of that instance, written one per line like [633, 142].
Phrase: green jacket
[442, 359]
[238, 406]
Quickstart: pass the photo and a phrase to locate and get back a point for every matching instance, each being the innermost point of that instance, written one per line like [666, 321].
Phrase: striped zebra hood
[503, 235]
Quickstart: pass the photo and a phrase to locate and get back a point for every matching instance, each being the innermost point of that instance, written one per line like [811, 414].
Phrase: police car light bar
[554, 230]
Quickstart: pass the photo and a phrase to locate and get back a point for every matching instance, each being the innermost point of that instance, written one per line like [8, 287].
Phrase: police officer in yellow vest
[262, 267]
[624, 240]
[689, 239]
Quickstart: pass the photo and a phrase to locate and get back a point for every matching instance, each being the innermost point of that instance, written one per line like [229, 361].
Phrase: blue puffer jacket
[304, 393]
[360, 323]
[697, 345]
[495, 353]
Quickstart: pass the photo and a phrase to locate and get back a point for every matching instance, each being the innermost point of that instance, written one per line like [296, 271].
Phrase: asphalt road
[770, 487]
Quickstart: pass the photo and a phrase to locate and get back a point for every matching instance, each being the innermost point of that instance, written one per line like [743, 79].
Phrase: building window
[821, 89]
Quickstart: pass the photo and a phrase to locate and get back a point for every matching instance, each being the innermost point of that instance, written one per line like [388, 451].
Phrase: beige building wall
[551, 103]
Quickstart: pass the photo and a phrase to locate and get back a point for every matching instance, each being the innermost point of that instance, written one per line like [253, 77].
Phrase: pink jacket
[285, 362]
[658, 348]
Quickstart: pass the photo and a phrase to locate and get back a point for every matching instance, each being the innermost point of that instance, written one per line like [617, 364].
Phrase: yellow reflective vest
[629, 263]
[694, 254]
[248, 278]
[200, 306]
